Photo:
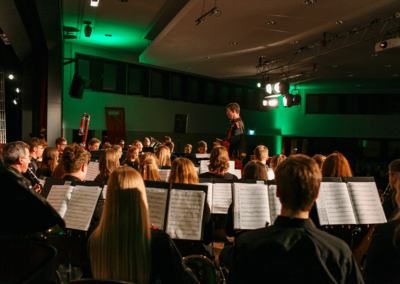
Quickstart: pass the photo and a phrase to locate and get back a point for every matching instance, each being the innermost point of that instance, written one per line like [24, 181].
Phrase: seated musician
[94, 144]
[106, 145]
[61, 143]
[336, 165]
[171, 147]
[276, 160]
[219, 165]
[121, 144]
[385, 245]
[188, 148]
[164, 157]
[125, 247]
[108, 162]
[146, 142]
[202, 147]
[390, 206]
[261, 154]
[165, 140]
[16, 161]
[148, 167]
[319, 159]
[132, 157]
[293, 250]
[58, 172]
[118, 149]
[35, 153]
[139, 145]
[49, 162]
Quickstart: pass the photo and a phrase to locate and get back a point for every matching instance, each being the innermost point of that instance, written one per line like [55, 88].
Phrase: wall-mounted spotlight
[276, 88]
[269, 89]
[11, 76]
[88, 28]
[290, 100]
[17, 90]
[15, 101]
[94, 3]
[259, 85]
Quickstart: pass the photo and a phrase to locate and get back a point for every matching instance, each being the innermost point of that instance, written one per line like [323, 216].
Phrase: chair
[98, 281]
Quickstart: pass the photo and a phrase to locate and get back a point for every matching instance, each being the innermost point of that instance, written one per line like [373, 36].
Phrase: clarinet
[34, 177]
[385, 193]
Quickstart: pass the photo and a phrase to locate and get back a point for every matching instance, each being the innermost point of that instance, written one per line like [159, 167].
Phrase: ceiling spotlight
[15, 101]
[17, 90]
[265, 103]
[269, 89]
[11, 76]
[108, 35]
[271, 23]
[88, 28]
[339, 22]
[276, 88]
[259, 85]
[290, 100]
[295, 42]
[310, 2]
[284, 88]
[271, 102]
[94, 3]
[233, 43]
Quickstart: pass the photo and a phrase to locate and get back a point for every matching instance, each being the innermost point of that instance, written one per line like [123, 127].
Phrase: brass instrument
[84, 128]
[203, 268]
[154, 143]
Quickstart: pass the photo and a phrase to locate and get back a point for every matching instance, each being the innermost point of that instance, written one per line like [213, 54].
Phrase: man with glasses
[61, 143]
[389, 203]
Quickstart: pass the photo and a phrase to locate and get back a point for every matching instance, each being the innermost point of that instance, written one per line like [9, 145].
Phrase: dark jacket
[237, 138]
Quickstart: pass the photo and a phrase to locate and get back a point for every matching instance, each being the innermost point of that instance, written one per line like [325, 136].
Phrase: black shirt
[292, 251]
[19, 176]
[211, 175]
[46, 172]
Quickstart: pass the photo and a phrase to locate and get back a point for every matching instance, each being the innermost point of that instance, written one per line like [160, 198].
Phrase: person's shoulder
[328, 242]
[254, 236]
[205, 175]
[230, 176]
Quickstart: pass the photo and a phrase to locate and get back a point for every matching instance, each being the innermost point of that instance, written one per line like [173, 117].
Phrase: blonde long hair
[164, 156]
[148, 167]
[183, 171]
[120, 246]
[108, 162]
[50, 157]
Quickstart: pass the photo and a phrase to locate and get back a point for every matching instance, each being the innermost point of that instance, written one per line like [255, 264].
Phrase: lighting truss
[377, 28]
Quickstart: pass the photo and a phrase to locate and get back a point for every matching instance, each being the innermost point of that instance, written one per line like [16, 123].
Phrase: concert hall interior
[310, 77]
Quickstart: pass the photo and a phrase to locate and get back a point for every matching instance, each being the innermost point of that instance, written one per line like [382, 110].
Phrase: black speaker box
[77, 87]
[181, 123]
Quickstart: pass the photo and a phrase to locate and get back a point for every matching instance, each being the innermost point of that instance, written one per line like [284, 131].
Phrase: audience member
[390, 206]
[319, 159]
[383, 256]
[16, 160]
[293, 242]
[49, 162]
[132, 157]
[148, 167]
[94, 144]
[35, 153]
[202, 147]
[118, 149]
[108, 162]
[106, 145]
[188, 149]
[336, 165]
[124, 247]
[146, 142]
[276, 160]
[61, 143]
[219, 165]
[164, 157]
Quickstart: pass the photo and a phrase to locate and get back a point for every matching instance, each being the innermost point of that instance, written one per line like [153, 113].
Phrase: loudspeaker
[77, 87]
[181, 123]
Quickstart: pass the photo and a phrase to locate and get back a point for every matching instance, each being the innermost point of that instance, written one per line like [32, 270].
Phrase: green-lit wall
[155, 117]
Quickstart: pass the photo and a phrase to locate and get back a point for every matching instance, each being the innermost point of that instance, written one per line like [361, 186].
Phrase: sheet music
[197, 170]
[81, 207]
[104, 193]
[270, 174]
[275, 205]
[222, 198]
[157, 201]
[251, 206]
[204, 166]
[238, 173]
[336, 203]
[209, 193]
[231, 169]
[59, 198]
[164, 174]
[203, 156]
[92, 171]
[185, 216]
[366, 203]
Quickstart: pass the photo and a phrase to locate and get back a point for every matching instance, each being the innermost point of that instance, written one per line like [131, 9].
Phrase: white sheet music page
[203, 156]
[238, 173]
[339, 209]
[366, 203]
[92, 171]
[275, 205]
[231, 169]
[81, 207]
[104, 192]
[222, 198]
[209, 193]
[164, 174]
[157, 201]
[204, 166]
[321, 208]
[270, 174]
[59, 198]
[185, 215]
[251, 206]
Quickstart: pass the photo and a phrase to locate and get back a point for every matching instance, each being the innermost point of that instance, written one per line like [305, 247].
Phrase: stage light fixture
[383, 44]
[88, 28]
[284, 88]
[259, 85]
[11, 76]
[271, 101]
[276, 88]
[94, 3]
[17, 90]
[15, 101]
[290, 100]
[265, 103]
[269, 89]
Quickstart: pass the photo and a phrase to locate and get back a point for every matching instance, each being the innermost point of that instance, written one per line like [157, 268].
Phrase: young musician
[148, 167]
[118, 149]
[108, 162]
[319, 159]
[188, 148]
[49, 162]
[146, 142]
[390, 206]
[75, 161]
[16, 159]
[125, 247]
[202, 147]
[164, 157]
[37, 147]
[165, 140]
[171, 147]
[336, 165]
[293, 250]
[261, 154]
[276, 160]
[61, 143]
[139, 145]
[219, 165]
[94, 144]
[121, 144]
[132, 157]
[106, 145]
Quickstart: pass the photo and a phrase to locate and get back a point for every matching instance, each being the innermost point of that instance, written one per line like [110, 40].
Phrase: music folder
[48, 183]
[157, 199]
